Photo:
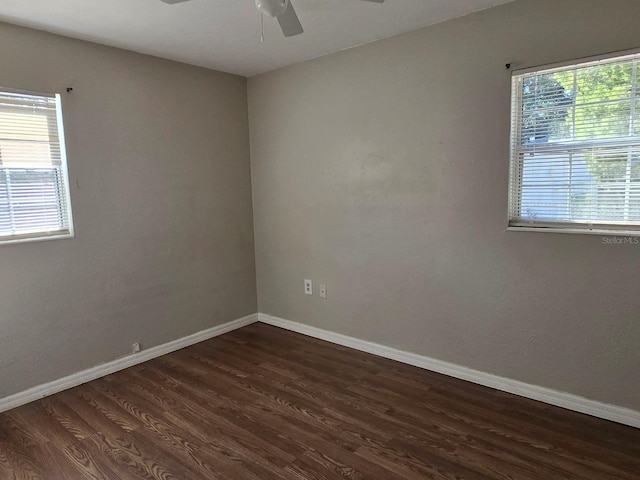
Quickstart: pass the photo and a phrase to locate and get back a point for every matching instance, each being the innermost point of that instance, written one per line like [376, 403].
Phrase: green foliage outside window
[592, 103]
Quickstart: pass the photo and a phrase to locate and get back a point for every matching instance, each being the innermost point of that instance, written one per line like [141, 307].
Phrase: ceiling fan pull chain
[261, 28]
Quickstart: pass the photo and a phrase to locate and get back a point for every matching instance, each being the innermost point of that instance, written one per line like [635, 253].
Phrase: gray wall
[159, 165]
[382, 172]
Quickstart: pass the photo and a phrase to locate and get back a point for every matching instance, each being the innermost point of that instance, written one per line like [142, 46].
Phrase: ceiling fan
[282, 10]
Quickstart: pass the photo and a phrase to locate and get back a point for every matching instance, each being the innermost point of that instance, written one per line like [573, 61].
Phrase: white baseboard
[569, 401]
[85, 376]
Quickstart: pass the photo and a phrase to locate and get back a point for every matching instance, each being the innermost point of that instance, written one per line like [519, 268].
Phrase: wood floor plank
[262, 403]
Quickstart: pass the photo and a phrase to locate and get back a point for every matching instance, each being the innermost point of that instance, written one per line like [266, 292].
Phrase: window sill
[596, 231]
[14, 241]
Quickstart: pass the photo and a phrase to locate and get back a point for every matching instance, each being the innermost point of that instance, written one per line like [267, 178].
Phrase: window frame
[565, 227]
[65, 194]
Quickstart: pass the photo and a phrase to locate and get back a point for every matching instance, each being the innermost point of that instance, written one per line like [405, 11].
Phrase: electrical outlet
[308, 287]
[323, 290]
[135, 348]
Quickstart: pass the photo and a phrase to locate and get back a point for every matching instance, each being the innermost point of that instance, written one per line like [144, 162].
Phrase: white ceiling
[225, 34]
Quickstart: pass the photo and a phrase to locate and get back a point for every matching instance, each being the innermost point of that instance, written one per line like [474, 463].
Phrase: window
[575, 147]
[34, 190]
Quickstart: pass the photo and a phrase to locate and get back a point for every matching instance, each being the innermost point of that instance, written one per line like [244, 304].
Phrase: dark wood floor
[261, 403]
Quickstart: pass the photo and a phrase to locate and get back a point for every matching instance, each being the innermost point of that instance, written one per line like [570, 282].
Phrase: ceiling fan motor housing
[273, 8]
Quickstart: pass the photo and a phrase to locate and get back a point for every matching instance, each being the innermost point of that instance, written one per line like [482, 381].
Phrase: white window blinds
[34, 192]
[575, 146]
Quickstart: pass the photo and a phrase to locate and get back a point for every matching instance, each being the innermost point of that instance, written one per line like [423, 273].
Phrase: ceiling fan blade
[375, 1]
[289, 22]
[172, 2]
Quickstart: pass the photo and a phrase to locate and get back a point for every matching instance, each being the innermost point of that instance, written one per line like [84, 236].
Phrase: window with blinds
[575, 147]
[34, 190]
